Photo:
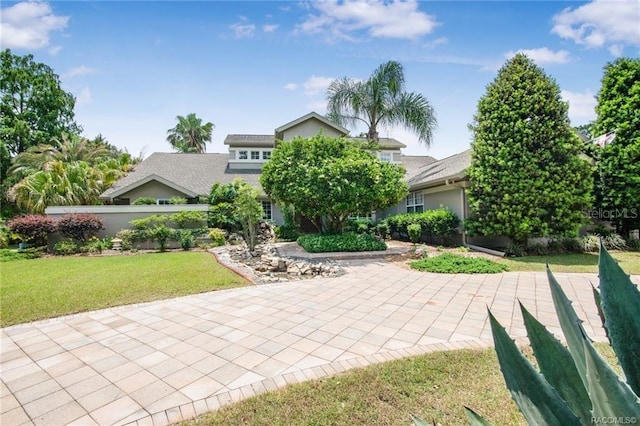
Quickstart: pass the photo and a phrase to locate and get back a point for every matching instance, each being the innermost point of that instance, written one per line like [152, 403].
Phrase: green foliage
[360, 226]
[306, 173]
[189, 219]
[190, 135]
[5, 236]
[218, 237]
[451, 263]
[129, 238]
[618, 165]
[66, 247]
[528, 178]
[287, 232]
[223, 213]
[440, 222]
[415, 232]
[177, 200]
[575, 384]
[590, 243]
[614, 241]
[381, 100]
[383, 229]
[186, 239]
[150, 221]
[249, 211]
[161, 228]
[145, 201]
[348, 241]
[160, 234]
[96, 245]
[7, 255]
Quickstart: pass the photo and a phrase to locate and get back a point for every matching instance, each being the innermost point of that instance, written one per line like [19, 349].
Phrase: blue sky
[250, 67]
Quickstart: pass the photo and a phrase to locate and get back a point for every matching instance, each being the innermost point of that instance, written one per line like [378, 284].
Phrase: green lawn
[50, 287]
[584, 262]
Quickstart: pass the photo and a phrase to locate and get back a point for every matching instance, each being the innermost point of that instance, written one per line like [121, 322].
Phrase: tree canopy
[327, 179]
[618, 177]
[381, 100]
[190, 135]
[527, 175]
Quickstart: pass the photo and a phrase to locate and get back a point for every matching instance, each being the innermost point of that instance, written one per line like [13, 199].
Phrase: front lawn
[451, 263]
[574, 262]
[54, 286]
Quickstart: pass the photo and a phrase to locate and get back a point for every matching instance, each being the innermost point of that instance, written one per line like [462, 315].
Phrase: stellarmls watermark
[632, 213]
[614, 420]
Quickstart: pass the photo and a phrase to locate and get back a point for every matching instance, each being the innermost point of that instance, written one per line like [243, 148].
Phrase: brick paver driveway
[164, 361]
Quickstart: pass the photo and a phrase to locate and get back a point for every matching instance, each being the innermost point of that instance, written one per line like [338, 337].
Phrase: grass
[434, 386]
[450, 263]
[49, 287]
[583, 262]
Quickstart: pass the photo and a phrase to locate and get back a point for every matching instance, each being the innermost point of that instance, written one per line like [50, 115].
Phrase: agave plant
[575, 385]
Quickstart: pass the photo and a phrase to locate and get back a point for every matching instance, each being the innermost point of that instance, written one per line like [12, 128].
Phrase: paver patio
[161, 362]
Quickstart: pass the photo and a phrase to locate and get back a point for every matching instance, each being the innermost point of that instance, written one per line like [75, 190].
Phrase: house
[166, 175]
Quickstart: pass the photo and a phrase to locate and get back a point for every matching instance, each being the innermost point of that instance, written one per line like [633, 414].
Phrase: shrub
[66, 247]
[415, 231]
[218, 237]
[144, 201]
[571, 245]
[441, 223]
[96, 245]
[514, 249]
[129, 237]
[177, 200]
[287, 232]
[555, 246]
[160, 234]
[633, 244]
[5, 237]
[322, 243]
[189, 219]
[360, 226]
[34, 228]
[537, 250]
[80, 226]
[150, 221]
[614, 241]
[7, 255]
[186, 239]
[590, 243]
[450, 263]
[382, 229]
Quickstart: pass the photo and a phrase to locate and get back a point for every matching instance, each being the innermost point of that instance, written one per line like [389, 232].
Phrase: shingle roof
[453, 166]
[384, 142]
[250, 140]
[414, 164]
[195, 172]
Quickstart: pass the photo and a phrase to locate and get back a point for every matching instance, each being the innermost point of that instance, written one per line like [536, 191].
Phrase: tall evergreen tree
[528, 178]
[618, 109]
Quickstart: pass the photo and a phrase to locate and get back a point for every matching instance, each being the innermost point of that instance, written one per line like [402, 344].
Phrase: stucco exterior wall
[451, 198]
[309, 129]
[153, 189]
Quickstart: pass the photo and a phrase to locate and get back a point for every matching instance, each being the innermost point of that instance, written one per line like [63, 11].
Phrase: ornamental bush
[450, 263]
[441, 223]
[144, 201]
[33, 228]
[349, 241]
[80, 226]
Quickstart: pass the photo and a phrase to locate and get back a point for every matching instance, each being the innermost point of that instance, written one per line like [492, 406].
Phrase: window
[361, 216]
[243, 155]
[163, 201]
[266, 155]
[255, 155]
[266, 207]
[415, 203]
[385, 156]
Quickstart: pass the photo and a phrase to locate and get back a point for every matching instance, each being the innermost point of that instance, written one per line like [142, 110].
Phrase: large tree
[327, 179]
[190, 135]
[528, 177]
[381, 100]
[34, 107]
[618, 109]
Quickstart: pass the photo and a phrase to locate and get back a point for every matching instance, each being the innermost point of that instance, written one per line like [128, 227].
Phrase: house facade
[162, 176]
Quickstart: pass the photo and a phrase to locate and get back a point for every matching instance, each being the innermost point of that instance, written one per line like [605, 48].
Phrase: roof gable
[279, 132]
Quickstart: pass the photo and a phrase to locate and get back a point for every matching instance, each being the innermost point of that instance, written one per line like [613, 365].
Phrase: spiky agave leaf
[537, 399]
[557, 366]
[475, 419]
[417, 421]
[611, 396]
[598, 300]
[621, 306]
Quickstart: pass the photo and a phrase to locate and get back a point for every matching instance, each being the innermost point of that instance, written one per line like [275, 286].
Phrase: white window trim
[413, 201]
[267, 215]
[249, 152]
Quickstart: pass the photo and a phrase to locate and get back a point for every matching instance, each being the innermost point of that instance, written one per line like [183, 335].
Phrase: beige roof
[194, 172]
[388, 143]
[267, 141]
[453, 167]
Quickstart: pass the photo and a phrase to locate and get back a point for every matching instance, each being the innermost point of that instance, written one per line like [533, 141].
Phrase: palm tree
[381, 100]
[190, 135]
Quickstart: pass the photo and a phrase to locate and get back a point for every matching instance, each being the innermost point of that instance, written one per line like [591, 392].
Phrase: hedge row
[441, 223]
[36, 228]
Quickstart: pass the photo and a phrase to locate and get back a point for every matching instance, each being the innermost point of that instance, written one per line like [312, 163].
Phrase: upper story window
[243, 155]
[255, 155]
[415, 202]
[385, 156]
[251, 155]
[266, 155]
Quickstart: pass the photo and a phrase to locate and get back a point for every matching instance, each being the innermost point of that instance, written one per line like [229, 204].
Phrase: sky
[251, 66]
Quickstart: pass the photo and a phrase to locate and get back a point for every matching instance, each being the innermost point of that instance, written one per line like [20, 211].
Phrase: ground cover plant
[317, 243]
[451, 263]
[49, 287]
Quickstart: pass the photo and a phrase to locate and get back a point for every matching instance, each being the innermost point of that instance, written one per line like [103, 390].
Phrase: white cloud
[84, 97]
[243, 30]
[581, 106]
[81, 70]
[269, 28]
[616, 50]
[291, 86]
[543, 55]
[316, 84]
[27, 25]
[54, 50]
[600, 23]
[395, 19]
[437, 42]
